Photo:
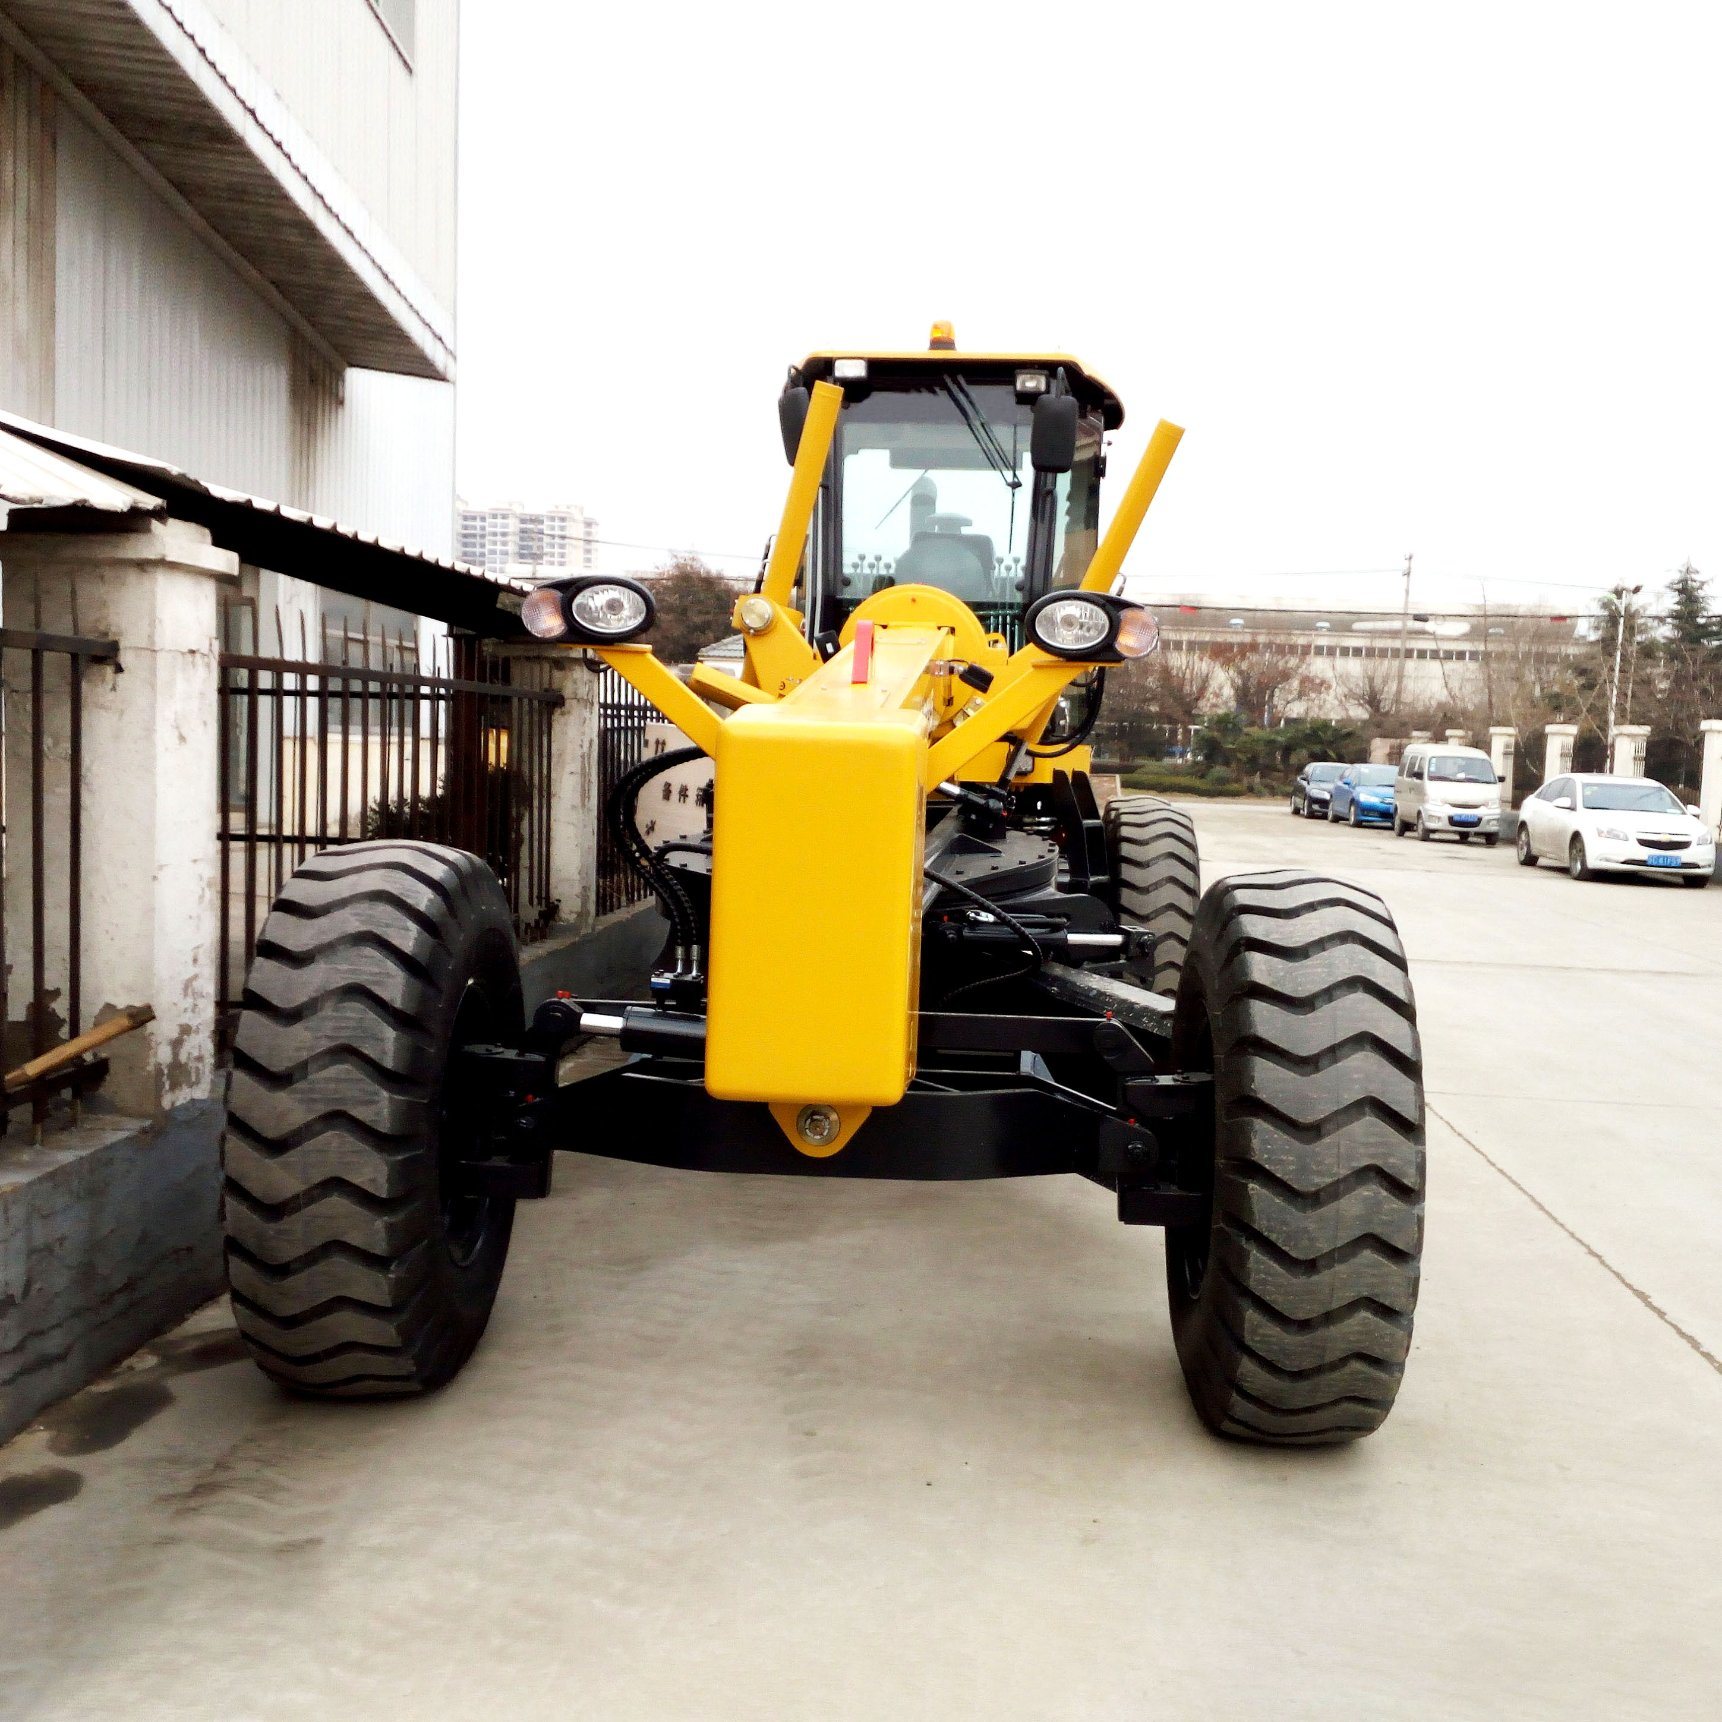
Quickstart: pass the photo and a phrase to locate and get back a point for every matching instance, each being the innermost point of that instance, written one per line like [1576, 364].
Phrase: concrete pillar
[151, 865]
[1421, 735]
[1710, 779]
[1385, 749]
[1503, 744]
[1457, 737]
[1630, 741]
[575, 812]
[1558, 739]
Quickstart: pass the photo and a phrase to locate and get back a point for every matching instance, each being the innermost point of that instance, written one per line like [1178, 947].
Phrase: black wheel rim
[465, 1216]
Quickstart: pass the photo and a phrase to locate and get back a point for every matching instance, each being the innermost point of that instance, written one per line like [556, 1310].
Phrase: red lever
[861, 664]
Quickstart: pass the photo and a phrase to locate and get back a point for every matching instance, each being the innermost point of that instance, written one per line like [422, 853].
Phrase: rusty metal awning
[173, 87]
[50, 481]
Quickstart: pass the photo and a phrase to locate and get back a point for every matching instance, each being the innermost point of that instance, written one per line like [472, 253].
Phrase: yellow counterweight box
[818, 839]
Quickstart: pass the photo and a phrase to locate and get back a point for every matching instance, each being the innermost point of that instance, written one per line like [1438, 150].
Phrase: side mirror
[1564, 802]
[1052, 437]
[792, 419]
[1696, 812]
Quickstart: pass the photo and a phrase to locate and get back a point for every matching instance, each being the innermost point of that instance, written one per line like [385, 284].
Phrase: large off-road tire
[1156, 881]
[355, 1270]
[1292, 1301]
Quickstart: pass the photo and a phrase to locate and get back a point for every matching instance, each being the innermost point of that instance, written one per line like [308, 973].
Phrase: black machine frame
[995, 1096]
[1077, 1078]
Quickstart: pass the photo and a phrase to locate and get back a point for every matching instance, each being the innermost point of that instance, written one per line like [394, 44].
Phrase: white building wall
[159, 346]
[1433, 672]
[26, 240]
[388, 127]
[162, 348]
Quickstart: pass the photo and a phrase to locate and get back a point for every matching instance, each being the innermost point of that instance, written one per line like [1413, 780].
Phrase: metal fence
[42, 838]
[622, 718]
[361, 739]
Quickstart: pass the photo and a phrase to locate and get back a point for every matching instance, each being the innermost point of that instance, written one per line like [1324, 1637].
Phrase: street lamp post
[1404, 641]
[1621, 595]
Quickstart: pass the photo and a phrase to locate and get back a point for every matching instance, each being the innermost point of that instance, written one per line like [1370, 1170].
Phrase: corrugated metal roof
[267, 534]
[167, 79]
[33, 477]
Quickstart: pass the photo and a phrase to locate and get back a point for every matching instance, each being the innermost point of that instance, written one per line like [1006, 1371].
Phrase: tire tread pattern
[1299, 1330]
[1156, 879]
[341, 1281]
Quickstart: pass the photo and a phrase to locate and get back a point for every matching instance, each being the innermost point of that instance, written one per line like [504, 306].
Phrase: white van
[1443, 788]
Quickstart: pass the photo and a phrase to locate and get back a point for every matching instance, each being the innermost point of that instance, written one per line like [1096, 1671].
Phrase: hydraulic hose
[639, 854]
[1036, 956]
[1084, 730]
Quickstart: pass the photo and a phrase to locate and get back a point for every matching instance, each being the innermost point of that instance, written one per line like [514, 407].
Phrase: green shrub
[1174, 780]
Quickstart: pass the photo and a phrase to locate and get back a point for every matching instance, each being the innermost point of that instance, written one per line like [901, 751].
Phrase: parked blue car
[1363, 795]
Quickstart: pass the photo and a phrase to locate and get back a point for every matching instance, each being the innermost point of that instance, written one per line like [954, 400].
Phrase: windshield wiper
[980, 430]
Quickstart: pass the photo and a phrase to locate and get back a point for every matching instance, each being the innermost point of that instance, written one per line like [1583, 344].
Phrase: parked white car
[1594, 824]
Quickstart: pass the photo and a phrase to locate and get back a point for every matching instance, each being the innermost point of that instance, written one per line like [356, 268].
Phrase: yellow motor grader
[910, 944]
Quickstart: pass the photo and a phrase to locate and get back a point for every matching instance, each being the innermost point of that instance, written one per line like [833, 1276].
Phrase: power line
[680, 550]
[1169, 605]
[1480, 579]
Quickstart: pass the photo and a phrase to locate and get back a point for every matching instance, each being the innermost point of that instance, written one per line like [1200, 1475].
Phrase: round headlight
[1072, 626]
[541, 613]
[608, 609]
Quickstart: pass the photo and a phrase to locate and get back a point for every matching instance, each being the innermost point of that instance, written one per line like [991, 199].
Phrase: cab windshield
[937, 490]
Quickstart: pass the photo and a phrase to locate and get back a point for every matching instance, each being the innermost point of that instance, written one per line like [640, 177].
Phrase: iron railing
[42, 838]
[623, 714]
[364, 740]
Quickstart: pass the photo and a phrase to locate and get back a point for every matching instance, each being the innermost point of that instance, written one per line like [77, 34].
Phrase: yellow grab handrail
[1115, 546]
[810, 457]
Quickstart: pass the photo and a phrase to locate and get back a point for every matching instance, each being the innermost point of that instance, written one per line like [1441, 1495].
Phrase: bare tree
[1526, 679]
[1184, 681]
[1373, 684]
[1266, 676]
[694, 603]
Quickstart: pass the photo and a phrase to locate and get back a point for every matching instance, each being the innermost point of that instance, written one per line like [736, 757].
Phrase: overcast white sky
[1440, 279]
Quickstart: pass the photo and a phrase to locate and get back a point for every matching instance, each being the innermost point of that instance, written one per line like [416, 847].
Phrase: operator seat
[943, 555]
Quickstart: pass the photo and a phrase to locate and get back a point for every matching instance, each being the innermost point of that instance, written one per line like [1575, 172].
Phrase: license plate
[1467, 819]
[1663, 860]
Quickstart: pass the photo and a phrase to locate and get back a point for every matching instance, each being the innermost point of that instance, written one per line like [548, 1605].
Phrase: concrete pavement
[764, 1449]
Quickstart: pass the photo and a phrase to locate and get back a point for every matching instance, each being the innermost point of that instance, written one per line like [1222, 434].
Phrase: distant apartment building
[227, 241]
[509, 538]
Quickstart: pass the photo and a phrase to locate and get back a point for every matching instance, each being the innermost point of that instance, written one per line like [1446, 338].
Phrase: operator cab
[977, 473]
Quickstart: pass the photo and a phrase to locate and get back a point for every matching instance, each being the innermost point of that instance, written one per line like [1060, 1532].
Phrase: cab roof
[1088, 388]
